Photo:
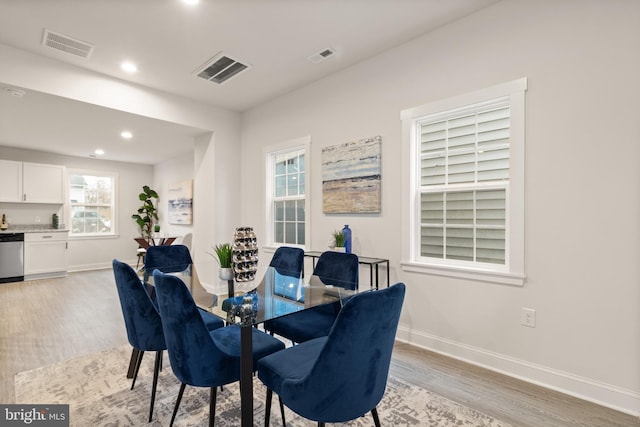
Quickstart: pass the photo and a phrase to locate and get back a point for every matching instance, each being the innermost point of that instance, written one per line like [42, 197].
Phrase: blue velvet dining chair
[342, 376]
[142, 320]
[288, 259]
[166, 258]
[288, 263]
[200, 357]
[334, 269]
[174, 259]
[338, 269]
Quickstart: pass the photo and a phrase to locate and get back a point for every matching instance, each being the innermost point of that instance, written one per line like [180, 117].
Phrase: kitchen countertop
[32, 228]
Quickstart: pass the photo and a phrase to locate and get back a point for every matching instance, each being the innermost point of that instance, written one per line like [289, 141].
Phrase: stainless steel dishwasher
[11, 257]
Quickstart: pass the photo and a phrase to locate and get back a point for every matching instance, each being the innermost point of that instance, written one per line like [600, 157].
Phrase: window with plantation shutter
[466, 184]
[464, 174]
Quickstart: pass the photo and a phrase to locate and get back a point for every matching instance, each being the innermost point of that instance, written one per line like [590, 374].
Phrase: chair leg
[175, 409]
[138, 363]
[156, 370]
[320, 424]
[212, 407]
[376, 420]
[132, 362]
[284, 424]
[267, 407]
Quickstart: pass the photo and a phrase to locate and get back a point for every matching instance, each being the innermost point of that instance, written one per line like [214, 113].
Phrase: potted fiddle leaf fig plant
[147, 213]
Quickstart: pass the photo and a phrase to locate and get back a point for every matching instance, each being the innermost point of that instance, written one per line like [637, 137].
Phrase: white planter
[226, 273]
[340, 249]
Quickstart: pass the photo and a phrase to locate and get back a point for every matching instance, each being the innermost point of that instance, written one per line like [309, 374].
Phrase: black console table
[371, 262]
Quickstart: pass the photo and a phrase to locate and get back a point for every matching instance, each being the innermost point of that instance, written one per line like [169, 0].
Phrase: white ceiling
[169, 40]
[44, 122]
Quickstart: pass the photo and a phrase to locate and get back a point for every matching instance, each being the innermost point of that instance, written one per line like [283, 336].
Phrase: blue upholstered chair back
[167, 258]
[191, 348]
[349, 376]
[287, 260]
[288, 263]
[141, 317]
[337, 269]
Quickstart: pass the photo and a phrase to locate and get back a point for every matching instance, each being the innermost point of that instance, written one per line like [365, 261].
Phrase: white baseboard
[49, 275]
[613, 397]
[95, 266]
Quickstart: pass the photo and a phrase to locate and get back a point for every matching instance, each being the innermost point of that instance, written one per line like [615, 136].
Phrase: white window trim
[513, 273]
[292, 144]
[114, 204]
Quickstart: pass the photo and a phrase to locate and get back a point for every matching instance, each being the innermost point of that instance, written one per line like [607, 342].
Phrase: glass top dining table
[279, 293]
[154, 241]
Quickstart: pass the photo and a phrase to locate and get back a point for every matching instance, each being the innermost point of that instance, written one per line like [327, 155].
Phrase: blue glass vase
[347, 238]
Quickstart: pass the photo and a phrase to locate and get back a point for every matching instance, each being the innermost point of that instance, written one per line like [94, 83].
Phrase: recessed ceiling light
[126, 134]
[129, 67]
[191, 1]
[99, 152]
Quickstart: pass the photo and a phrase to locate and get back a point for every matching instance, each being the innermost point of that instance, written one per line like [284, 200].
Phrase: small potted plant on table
[339, 240]
[224, 253]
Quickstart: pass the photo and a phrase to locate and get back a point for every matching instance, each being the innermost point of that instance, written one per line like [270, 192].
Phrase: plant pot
[226, 273]
[340, 249]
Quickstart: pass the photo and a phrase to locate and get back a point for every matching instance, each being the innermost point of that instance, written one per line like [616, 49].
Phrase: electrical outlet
[528, 317]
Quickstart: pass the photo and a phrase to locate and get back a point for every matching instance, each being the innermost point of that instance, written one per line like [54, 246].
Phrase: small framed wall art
[181, 202]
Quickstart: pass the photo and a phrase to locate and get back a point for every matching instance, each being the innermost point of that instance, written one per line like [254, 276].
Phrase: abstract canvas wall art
[180, 202]
[351, 177]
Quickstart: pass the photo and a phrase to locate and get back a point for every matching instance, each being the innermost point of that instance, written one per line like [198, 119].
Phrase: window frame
[513, 271]
[113, 205]
[297, 144]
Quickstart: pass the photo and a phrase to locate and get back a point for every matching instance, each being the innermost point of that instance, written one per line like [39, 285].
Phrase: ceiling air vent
[220, 69]
[322, 55]
[66, 44]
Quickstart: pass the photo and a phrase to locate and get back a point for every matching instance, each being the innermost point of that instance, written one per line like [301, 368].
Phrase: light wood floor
[48, 321]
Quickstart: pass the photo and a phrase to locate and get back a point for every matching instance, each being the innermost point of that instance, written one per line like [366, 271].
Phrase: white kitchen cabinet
[10, 181]
[31, 182]
[45, 254]
[42, 183]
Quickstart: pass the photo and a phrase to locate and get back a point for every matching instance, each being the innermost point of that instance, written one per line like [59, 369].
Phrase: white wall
[215, 192]
[582, 61]
[23, 69]
[166, 174]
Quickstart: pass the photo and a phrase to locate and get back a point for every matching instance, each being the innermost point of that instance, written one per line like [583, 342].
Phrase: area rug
[98, 394]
